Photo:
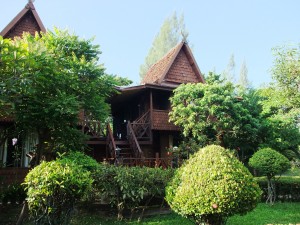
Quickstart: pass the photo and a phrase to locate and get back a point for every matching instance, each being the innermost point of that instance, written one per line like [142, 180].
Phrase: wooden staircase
[137, 132]
[125, 149]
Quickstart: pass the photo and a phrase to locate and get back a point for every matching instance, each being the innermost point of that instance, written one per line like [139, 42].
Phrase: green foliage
[283, 97]
[169, 35]
[269, 162]
[53, 188]
[290, 155]
[127, 187]
[81, 159]
[213, 113]
[47, 79]
[281, 102]
[287, 188]
[281, 134]
[212, 185]
[86, 163]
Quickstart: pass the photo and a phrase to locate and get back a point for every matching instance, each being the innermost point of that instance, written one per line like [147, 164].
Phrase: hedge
[287, 188]
[131, 187]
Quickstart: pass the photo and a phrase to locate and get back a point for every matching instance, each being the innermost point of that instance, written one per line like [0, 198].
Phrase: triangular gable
[177, 66]
[27, 20]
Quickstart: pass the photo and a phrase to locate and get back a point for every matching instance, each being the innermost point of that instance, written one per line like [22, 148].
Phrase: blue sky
[125, 30]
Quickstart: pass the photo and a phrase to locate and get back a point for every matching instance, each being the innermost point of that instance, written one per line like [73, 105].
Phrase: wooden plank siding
[160, 121]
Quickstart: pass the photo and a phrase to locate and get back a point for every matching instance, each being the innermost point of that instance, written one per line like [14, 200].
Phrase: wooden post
[151, 115]
[157, 160]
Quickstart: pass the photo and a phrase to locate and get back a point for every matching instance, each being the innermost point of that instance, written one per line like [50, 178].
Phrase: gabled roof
[27, 20]
[173, 66]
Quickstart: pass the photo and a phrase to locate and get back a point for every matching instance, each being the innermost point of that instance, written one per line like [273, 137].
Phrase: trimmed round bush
[269, 162]
[212, 185]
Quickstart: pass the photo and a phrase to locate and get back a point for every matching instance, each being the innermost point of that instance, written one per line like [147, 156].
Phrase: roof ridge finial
[184, 36]
[30, 5]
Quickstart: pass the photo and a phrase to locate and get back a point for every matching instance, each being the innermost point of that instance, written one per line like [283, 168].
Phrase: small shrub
[269, 162]
[53, 188]
[212, 185]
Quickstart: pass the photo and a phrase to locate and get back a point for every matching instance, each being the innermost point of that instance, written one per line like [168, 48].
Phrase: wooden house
[140, 113]
[140, 132]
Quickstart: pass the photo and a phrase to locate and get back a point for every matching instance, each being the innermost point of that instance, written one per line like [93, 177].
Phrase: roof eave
[145, 86]
[193, 63]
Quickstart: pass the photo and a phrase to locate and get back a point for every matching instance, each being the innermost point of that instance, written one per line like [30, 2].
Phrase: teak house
[141, 132]
[141, 112]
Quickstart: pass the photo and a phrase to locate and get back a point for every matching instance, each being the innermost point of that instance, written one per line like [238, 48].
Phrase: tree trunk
[120, 210]
[271, 192]
[23, 213]
[44, 151]
[212, 219]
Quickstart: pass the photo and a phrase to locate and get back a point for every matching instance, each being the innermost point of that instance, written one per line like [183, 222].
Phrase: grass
[169, 219]
[279, 213]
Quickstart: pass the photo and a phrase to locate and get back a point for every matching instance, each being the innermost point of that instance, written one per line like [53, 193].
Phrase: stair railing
[134, 144]
[110, 142]
[141, 126]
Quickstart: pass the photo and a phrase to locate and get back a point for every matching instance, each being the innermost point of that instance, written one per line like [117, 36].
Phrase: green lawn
[280, 213]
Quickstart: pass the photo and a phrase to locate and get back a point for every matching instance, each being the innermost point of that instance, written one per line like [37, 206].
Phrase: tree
[171, 32]
[211, 186]
[229, 73]
[281, 103]
[283, 96]
[243, 78]
[270, 163]
[213, 113]
[281, 135]
[47, 80]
